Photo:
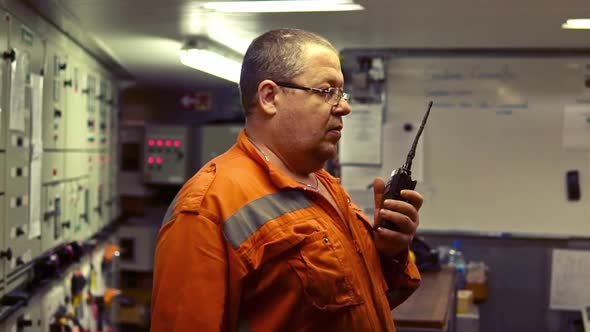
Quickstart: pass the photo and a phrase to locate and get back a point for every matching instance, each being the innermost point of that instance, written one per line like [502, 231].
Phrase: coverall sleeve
[190, 276]
[402, 278]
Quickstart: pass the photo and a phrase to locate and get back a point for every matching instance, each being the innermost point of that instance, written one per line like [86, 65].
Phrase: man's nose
[343, 108]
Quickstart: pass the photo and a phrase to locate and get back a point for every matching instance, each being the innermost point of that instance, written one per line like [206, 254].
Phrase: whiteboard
[570, 276]
[493, 158]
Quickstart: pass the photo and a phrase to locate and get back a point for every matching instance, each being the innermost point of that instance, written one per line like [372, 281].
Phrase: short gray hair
[275, 55]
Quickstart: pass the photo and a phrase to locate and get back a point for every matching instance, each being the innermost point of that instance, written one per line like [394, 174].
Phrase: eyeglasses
[333, 95]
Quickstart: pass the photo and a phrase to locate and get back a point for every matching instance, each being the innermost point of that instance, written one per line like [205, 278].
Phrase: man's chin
[330, 152]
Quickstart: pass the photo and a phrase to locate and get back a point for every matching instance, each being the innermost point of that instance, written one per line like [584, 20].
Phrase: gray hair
[275, 55]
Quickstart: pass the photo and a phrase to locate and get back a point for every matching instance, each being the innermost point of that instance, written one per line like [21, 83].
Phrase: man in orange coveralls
[262, 238]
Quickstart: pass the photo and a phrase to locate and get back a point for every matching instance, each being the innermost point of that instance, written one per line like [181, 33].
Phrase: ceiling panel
[144, 36]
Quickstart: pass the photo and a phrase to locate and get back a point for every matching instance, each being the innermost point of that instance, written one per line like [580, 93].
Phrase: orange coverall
[244, 247]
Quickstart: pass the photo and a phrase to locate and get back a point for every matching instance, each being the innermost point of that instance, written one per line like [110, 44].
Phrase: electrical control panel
[138, 239]
[26, 57]
[26, 318]
[54, 96]
[75, 94]
[57, 169]
[4, 80]
[216, 139]
[2, 158]
[53, 223]
[165, 150]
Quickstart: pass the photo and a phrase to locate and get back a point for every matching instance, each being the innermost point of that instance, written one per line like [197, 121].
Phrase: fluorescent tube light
[282, 6]
[209, 57]
[578, 23]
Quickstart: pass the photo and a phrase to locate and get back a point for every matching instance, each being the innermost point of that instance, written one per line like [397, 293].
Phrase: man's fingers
[405, 223]
[413, 197]
[378, 188]
[391, 242]
[399, 209]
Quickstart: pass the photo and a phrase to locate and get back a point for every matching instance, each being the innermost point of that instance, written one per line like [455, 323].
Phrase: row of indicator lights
[155, 160]
[168, 142]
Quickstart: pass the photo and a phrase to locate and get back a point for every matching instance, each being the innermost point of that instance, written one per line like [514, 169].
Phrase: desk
[431, 307]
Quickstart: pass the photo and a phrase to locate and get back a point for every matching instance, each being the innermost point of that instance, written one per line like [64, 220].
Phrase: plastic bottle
[457, 260]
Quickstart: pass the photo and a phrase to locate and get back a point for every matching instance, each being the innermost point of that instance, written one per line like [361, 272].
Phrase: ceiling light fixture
[577, 23]
[283, 6]
[213, 58]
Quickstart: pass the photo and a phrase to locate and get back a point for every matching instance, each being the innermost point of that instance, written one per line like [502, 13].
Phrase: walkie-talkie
[401, 178]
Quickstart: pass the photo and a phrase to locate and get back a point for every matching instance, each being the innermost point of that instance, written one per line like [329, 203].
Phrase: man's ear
[267, 91]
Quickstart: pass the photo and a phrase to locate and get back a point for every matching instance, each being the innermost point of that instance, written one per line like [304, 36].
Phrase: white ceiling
[144, 36]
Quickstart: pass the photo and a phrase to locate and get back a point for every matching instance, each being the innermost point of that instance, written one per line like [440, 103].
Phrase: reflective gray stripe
[248, 219]
[170, 210]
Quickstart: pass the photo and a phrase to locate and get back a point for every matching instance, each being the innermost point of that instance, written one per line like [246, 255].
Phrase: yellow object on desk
[464, 301]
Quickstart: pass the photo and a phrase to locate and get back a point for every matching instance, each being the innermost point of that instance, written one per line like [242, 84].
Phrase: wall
[461, 178]
[156, 105]
[519, 275]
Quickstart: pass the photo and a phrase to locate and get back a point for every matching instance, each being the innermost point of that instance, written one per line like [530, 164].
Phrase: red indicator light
[168, 142]
[150, 160]
[151, 142]
[159, 142]
[158, 160]
[177, 143]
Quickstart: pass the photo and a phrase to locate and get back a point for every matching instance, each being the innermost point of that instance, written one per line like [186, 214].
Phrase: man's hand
[404, 214]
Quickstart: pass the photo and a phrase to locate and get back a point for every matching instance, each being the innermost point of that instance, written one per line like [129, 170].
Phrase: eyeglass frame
[326, 91]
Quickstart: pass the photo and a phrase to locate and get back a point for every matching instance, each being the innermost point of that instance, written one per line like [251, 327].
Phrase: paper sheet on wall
[18, 77]
[576, 127]
[398, 141]
[570, 272]
[364, 200]
[361, 138]
[36, 155]
[358, 177]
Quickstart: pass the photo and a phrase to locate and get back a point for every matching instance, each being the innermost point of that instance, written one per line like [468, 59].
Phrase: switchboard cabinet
[76, 164]
[76, 210]
[90, 99]
[105, 101]
[21, 236]
[96, 191]
[114, 195]
[83, 209]
[5, 63]
[5, 253]
[105, 183]
[53, 167]
[55, 84]
[70, 219]
[57, 109]
[115, 158]
[53, 223]
[77, 125]
[17, 237]
[25, 319]
[2, 170]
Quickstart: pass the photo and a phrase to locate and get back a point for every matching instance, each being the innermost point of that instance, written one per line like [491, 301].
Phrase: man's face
[309, 126]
